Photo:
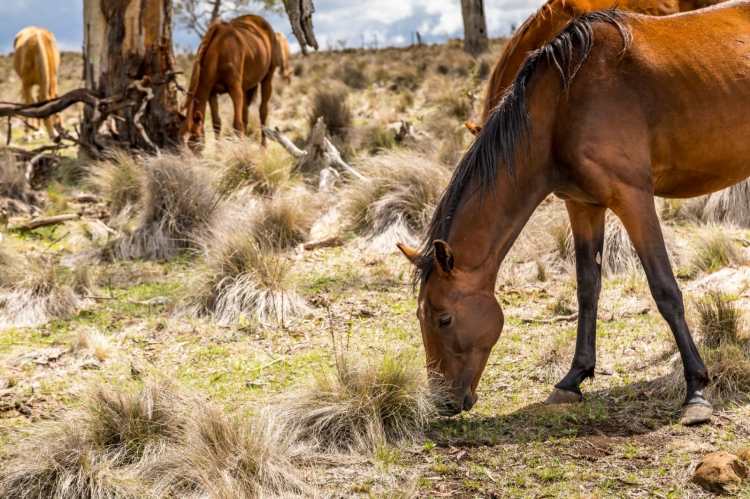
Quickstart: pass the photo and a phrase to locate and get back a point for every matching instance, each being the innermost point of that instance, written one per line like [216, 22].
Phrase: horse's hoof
[696, 413]
[559, 396]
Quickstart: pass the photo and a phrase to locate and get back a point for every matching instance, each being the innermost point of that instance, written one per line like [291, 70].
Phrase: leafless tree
[197, 15]
[475, 27]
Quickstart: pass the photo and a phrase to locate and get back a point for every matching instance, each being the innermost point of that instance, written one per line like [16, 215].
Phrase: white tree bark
[475, 27]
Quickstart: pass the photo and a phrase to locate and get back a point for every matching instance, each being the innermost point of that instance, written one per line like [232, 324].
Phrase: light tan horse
[36, 60]
[286, 68]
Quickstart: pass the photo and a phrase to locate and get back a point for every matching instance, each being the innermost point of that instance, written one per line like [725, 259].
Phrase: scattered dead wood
[330, 242]
[319, 157]
[37, 223]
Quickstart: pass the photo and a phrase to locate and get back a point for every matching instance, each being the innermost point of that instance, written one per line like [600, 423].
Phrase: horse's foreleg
[213, 102]
[238, 99]
[266, 93]
[638, 214]
[587, 222]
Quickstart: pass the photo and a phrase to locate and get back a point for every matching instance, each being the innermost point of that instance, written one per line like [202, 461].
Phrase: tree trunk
[128, 50]
[475, 27]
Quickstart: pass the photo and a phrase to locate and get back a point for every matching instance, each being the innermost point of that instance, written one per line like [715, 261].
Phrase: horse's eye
[445, 320]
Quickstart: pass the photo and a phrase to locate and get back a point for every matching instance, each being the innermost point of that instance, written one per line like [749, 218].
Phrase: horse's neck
[485, 227]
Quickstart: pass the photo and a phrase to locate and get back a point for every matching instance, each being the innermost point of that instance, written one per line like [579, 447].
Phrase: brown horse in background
[550, 20]
[36, 60]
[615, 110]
[235, 57]
[286, 68]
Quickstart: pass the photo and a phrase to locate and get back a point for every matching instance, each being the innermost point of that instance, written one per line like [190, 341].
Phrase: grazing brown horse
[615, 110]
[234, 57]
[36, 60]
[547, 22]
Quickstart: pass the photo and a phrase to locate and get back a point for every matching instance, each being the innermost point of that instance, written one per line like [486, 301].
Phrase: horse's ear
[410, 253]
[443, 255]
[473, 128]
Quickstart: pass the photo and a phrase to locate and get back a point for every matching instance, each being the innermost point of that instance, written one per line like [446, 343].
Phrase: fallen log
[38, 223]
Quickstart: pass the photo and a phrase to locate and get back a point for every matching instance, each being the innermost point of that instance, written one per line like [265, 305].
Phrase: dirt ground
[624, 440]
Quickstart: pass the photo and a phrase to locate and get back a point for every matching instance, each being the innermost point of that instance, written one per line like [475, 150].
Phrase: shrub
[363, 405]
[378, 138]
[352, 75]
[331, 104]
[285, 221]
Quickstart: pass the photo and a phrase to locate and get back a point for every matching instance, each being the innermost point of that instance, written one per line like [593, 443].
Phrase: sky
[338, 23]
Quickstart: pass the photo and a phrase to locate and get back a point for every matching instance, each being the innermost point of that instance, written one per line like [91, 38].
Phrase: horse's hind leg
[213, 102]
[266, 93]
[238, 99]
[249, 98]
[587, 222]
[638, 213]
[28, 98]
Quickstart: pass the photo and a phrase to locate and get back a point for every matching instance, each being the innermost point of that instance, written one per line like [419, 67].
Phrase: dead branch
[330, 242]
[41, 110]
[43, 222]
[300, 17]
[319, 154]
[287, 144]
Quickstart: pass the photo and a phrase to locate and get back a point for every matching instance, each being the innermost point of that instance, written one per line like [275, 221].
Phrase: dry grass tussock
[13, 182]
[243, 276]
[725, 349]
[398, 198]
[177, 203]
[245, 165]
[731, 205]
[34, 290]
[119, 181]
[713, 250]
[284, 221]
[363, 405]
[155, 442]
[332, 105]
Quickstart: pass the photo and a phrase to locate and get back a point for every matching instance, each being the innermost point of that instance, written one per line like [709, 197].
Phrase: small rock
[720, 472]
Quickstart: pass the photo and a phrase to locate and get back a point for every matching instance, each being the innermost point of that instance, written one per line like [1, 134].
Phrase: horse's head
[192, 130]
[461, 321]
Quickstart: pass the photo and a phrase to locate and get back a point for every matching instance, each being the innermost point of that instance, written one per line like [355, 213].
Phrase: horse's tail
[508, 126]
[195, 78]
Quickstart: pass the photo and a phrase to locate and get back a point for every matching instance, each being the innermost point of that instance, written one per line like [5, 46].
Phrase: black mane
[507, 129]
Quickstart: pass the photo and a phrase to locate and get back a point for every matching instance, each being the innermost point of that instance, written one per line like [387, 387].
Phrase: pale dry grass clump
[177, 203]
[35, 290]
[362, 405]
[245, 165]
[332, 105]
[285, 221]
[555, 360]
[95, 451]
[730, 206]
[13, 183]
[154, 442]
[243, 276]
[227, 458]
[396, 201]
[713, 250]
[725, 349]
[118, 180]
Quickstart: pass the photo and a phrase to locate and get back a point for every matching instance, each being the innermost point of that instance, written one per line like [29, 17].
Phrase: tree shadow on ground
[623, 411]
